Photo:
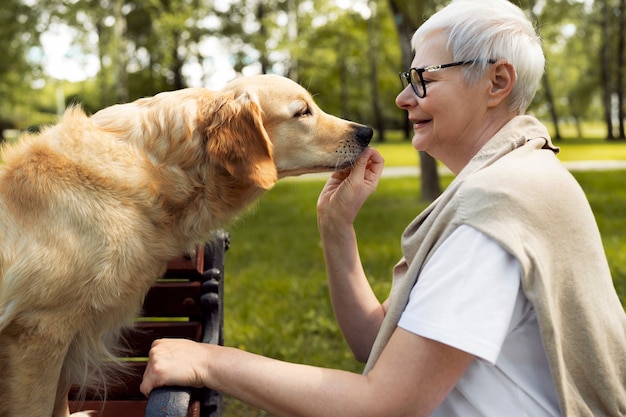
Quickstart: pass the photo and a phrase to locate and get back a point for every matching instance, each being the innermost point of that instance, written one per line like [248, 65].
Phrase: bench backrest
[187, 302]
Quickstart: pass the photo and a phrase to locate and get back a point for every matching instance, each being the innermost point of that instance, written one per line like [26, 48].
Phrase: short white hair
[490, 29]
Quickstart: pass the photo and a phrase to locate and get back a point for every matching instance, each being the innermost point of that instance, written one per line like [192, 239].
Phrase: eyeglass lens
[412, 77]
[416, 82]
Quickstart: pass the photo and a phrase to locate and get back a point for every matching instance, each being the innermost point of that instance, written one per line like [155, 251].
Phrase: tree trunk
[621, 50]
[605, 64]
[373, 34]
[547, 88]
[405, 30]
[263, 59]
[103, 80]
[579, 128]
[177, 63]
[344, 76]
[430, 189]
[408, 17]
[292, 33]
[119, 40]
[550, 100]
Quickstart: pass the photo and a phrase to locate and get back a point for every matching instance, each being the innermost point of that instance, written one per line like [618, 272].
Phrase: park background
[348, 54]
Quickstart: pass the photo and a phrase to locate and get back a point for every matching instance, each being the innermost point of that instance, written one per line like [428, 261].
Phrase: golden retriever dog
[92, 209]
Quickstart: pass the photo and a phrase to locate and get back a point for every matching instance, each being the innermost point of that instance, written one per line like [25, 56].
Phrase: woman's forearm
[357, 310]
[283, 389]
[411, 377]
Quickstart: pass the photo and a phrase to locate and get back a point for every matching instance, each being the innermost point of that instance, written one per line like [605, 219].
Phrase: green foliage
[18, 34]
[338, 52]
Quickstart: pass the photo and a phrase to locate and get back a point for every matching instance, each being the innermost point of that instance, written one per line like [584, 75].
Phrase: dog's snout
[364, 135]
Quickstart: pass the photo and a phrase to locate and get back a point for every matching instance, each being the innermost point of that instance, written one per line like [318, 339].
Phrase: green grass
[276, 297]
[607, 194]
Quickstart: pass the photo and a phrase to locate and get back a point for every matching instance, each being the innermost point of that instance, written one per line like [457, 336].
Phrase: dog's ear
[237, 140]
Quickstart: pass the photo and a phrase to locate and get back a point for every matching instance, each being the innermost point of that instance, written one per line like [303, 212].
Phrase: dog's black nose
[364, 135]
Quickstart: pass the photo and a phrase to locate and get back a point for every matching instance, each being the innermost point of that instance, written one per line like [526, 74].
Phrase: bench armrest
[175, 401]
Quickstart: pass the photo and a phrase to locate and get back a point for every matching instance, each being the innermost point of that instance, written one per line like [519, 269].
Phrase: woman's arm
[411, 378]
[357, 310]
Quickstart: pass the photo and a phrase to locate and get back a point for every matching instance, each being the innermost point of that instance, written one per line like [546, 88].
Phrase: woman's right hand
[176, 362]
[345, 191]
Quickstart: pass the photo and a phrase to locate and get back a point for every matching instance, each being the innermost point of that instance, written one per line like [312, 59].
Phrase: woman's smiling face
[449, 119]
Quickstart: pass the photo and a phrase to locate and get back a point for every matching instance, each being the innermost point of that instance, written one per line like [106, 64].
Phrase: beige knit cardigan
[515, 191]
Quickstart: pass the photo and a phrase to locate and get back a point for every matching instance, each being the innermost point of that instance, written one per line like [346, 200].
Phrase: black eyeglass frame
[406, 77]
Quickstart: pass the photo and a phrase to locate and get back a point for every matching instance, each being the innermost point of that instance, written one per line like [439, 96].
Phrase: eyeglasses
[414, 75]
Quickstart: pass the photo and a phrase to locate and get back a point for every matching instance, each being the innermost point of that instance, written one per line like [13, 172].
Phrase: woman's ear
[237, 140]
[502, 76]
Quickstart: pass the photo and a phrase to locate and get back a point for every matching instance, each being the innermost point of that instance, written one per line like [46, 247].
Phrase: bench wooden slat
[115, 408]
[190, 267]
[141, 337]
[126, 387]
[173, 299]
[123, 408]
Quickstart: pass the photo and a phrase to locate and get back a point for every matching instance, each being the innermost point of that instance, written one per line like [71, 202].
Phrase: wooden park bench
[187, 302]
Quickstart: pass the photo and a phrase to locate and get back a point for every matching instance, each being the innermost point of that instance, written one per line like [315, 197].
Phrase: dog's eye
[305, 111]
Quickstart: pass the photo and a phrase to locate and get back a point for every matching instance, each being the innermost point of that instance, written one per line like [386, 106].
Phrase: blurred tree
[373, 34]
[621, 51]
[253, 28]
[146, 46]
[19, 32]
[408, 17]
[531, 6]
[611, 23]
[605, 65]
[142, 45]
[334, 63]
[564, 27]
[119, 49]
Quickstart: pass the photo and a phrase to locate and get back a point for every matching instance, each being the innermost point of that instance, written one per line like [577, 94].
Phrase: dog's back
[76, 238]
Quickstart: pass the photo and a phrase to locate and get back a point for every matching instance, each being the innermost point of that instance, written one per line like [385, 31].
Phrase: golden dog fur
[93, 207]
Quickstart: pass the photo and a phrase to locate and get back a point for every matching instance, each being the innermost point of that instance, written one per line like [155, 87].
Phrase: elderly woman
[502, 305]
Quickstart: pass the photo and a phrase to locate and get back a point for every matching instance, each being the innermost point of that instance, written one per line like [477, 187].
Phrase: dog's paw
[89, 413]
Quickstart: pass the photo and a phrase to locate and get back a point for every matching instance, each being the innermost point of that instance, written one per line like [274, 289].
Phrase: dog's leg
[34, 363]
[61, 405]
[61, 408]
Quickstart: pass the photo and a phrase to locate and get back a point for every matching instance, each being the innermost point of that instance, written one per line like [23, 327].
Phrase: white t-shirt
[469, 296]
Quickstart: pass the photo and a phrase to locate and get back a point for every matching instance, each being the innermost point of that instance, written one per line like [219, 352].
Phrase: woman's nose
[406, 98]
